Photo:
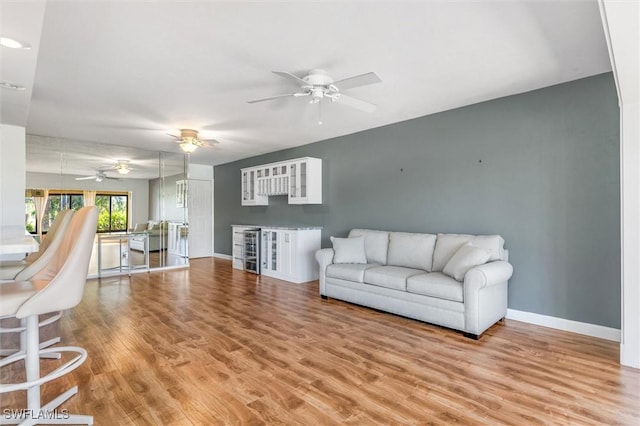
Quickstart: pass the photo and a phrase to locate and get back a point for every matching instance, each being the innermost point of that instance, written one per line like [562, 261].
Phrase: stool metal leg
[32, 362]
[35, 412]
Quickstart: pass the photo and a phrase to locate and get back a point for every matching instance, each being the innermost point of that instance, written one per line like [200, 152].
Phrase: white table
[17, 244]
[124, 261]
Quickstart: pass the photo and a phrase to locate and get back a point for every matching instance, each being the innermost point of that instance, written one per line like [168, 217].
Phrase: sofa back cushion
[446, 246]
[411, 250]
[376, 244]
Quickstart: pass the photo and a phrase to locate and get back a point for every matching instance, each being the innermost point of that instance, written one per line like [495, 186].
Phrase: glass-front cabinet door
[252, 193]
[305, 180]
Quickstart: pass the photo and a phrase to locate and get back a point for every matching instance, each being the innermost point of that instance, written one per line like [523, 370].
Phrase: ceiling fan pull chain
[319, 113]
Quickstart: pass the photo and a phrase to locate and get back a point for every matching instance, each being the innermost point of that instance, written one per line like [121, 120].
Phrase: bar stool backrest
[48, 247]
[63, 279]
[57, 228]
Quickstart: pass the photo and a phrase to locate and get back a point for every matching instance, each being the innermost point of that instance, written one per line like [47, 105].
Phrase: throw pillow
[140, 227]
[446, 246]
[493, 243]
[348, 250]
[464, 259]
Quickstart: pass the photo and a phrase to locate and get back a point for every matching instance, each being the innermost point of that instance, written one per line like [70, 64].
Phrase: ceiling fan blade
[272, 98]
[357, 81]
[173, 136]
[355, 103]
[86, 178]
[211, 144]
[110, 178]
[292, 78]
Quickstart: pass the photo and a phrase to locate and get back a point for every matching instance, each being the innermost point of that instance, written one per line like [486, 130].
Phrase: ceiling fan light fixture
[122, 167]
[12, 43]
[188, 146]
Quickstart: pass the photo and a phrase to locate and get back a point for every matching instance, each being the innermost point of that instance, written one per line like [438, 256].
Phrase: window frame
[69, 196]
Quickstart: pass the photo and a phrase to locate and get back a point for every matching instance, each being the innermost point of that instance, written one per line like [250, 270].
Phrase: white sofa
[156, 233]
[452, 280]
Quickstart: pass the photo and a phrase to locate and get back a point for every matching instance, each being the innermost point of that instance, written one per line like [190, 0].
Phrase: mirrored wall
[141, 196]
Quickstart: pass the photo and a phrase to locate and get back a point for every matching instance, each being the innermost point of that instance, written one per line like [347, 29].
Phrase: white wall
[630, 148]
[12, 175]
[138, 187]
[621, 23]
[200, 171]
[162, 199]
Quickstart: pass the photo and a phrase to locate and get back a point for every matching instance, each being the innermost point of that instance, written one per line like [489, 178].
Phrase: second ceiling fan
[319, 85]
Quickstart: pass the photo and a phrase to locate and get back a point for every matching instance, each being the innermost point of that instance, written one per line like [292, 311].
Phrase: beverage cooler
[252, 250]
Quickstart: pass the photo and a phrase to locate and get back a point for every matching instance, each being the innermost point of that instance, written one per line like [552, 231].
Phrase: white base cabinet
[289, 254]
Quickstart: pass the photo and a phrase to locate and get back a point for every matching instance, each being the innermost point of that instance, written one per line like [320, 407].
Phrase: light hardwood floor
[211, 345]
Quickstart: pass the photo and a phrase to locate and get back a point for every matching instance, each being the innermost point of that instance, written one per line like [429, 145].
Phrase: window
[112, 217]
[57, 202]
[113, 212]
[30, 215]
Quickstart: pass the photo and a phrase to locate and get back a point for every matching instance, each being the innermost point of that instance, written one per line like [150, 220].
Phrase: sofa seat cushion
[393, 277]
[348, 271]
[436, 284]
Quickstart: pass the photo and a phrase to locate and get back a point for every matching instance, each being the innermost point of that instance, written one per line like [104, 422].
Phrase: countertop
[291, 228]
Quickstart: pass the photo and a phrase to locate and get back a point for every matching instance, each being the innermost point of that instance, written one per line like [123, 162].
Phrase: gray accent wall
[540, 168]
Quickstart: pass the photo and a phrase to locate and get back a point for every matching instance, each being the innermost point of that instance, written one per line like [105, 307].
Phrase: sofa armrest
[324, 258]
[485, 295]
[488, 274]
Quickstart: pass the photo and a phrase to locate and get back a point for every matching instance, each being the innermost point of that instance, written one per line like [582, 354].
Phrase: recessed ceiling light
[11, 86]
[13, 43]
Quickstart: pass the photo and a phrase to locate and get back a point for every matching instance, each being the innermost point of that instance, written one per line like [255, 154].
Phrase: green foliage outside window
[30, 214]
[113, 212]
[111, 218]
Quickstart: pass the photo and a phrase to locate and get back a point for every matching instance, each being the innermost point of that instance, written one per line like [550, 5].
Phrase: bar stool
[26, 269]
[58, 286]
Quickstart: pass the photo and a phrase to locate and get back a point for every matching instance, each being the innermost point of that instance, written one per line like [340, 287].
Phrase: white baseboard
[565, 325]
[222, 256]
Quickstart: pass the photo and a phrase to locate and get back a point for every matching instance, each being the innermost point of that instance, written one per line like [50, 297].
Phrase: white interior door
[200, 204]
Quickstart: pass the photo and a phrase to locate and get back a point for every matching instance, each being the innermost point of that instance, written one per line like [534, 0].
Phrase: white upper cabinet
[305, 181]
[300, 179]
[250, 195]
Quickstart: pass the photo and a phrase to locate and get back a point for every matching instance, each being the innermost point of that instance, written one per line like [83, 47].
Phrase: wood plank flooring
[211, 345]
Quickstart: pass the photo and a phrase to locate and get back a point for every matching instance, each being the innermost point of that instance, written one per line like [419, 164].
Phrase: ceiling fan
[319, 85]
[189, 140]
[98, 177]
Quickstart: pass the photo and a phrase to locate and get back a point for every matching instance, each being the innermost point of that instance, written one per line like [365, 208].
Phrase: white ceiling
[126, 72]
